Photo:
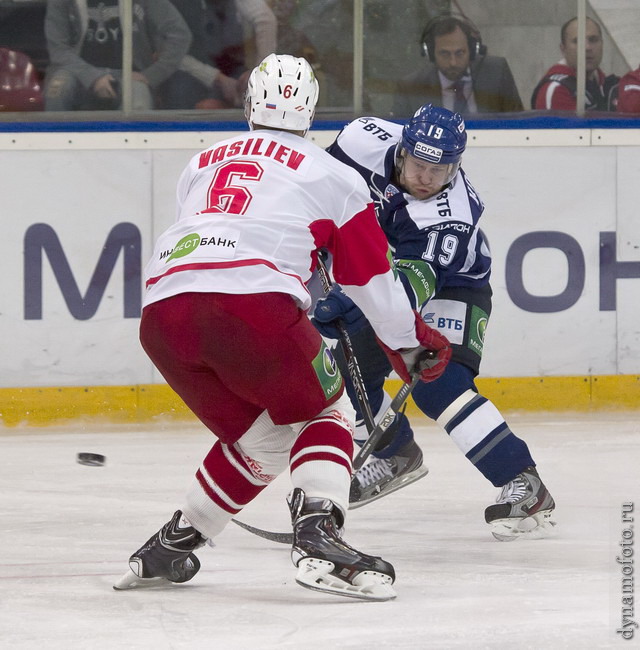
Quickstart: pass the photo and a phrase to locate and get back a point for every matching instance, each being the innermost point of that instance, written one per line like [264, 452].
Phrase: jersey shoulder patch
[366, 141]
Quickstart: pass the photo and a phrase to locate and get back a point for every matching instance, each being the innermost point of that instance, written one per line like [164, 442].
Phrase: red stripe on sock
[319, 455]
[228, 479]
[213, 496]
[331, 431]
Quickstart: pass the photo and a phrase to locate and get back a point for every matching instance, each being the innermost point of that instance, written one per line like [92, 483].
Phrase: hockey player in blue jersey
[429, 212]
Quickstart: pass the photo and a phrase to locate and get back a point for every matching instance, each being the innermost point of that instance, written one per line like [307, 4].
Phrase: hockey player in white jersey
[225, 321]
[429, 212]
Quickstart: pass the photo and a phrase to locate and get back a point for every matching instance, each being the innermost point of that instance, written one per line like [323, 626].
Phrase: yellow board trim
[585, 393]
[117, 404]
[146, 402]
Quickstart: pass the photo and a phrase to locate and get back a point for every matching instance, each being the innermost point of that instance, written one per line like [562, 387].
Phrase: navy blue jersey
[436, 241]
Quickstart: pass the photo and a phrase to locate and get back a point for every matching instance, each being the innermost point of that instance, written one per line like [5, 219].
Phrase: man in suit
[459, 76]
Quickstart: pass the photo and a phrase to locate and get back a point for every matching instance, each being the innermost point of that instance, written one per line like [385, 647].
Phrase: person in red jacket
[557, 89]
[629, 92]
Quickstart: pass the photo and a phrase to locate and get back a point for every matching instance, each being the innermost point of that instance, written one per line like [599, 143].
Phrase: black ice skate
[382, 476]
[524, 509]
[325, 562]
[166, 557]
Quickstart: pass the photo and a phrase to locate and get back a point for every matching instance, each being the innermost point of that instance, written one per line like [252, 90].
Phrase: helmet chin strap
[399, 160]
[247, 111]
[401, 154]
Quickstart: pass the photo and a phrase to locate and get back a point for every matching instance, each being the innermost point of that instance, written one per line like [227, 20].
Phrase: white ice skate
[382, 476]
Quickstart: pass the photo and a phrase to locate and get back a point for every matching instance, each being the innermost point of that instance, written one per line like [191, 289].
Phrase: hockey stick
[384, 423]
[376, 431]
[379, 429]
[281, 538]
[349, 355]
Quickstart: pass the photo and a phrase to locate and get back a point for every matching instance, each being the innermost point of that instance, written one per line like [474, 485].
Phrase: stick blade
[272, 536]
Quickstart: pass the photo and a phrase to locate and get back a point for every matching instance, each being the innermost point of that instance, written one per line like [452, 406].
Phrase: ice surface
[68, 529]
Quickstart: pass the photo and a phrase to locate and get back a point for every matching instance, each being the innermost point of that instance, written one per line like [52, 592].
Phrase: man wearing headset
[459, 75]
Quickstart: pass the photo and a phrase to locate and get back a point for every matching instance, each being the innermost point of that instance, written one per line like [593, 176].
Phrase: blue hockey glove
[337, 305]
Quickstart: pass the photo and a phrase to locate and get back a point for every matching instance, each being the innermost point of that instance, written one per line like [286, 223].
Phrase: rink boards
[80, 219]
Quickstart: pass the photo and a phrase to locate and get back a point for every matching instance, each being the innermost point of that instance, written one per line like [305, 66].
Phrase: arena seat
[20, 88]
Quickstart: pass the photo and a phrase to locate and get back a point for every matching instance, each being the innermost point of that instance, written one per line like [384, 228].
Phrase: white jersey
[442, 231]
[252, 212]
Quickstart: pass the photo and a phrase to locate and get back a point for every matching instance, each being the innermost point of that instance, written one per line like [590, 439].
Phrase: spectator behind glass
[323, 30]
[84, 38]
[459, 75]
[629, 92]
[557, 89]
[291, 38]
[215, 71]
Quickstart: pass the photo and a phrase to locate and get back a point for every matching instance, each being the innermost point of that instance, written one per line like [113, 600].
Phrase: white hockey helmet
[282, 93]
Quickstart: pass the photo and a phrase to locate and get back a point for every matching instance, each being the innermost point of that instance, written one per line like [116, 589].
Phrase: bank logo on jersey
[449, 317]
[185, 246]
[327, 371]
[221, 245]
[427, 152]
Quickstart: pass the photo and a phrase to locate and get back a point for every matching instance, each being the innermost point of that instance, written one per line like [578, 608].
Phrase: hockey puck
[95, 460]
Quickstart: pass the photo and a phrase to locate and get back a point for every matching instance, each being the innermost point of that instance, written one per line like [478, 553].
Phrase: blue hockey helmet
[435, 135]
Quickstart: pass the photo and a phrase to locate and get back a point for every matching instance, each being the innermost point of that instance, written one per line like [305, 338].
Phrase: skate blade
[538, 526]
[392, 486]
[315, 574]
[131, 581]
